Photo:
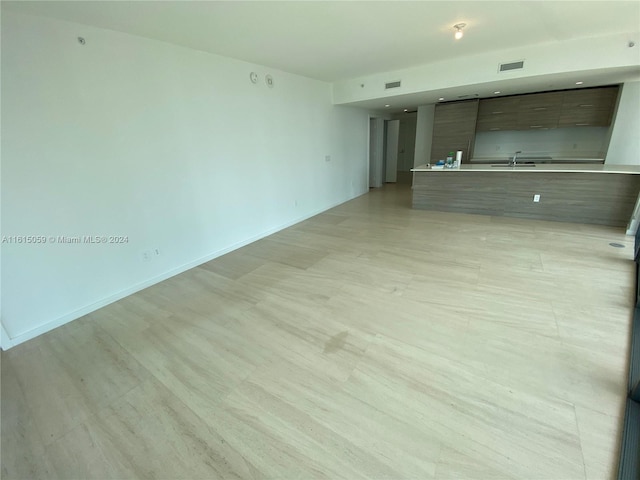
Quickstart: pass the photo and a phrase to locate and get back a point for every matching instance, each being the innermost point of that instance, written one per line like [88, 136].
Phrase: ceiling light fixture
[579, 83]
[496, 92]
[441, 99]
[459, 27]
[387, 106]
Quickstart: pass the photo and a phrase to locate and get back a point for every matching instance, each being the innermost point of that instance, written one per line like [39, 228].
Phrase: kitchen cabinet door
[498, 114]
[454, 129]
[589, 107]
[539, 110]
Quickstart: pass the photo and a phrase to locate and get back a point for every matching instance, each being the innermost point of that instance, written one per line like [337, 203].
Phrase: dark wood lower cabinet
[595, 198]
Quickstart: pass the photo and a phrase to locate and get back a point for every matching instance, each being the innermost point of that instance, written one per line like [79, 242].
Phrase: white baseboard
[8, 342]
[5, 340]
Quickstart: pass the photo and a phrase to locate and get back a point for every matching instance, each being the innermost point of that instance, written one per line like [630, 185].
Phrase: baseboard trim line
[5, 340]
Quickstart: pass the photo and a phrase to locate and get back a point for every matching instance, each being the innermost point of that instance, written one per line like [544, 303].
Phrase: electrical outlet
[536, 198]
[156, 252]
[146, 256]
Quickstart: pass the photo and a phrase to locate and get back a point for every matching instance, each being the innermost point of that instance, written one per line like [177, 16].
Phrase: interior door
[376, 153]
[393, 135]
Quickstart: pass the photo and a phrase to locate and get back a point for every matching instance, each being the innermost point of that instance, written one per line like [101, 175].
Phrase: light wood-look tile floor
[372, 341]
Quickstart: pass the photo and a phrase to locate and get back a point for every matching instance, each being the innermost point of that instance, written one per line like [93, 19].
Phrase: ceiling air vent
[389, 85]
[505, 67]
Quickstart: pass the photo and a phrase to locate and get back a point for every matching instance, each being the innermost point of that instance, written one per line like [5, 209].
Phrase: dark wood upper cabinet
[454, 128]
[569, 108]
[539, 110]
[498, 114]
[588, 107]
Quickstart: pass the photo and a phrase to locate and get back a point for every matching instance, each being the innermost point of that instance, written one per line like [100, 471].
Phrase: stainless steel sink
[517, 165]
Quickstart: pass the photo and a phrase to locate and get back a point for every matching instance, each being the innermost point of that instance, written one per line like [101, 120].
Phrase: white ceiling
[336, 40]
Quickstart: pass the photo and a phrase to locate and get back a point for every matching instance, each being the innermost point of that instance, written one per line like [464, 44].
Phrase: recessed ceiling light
[496, 93]
[441, 99]
[406, 109]
[387, 106]
[579, 83]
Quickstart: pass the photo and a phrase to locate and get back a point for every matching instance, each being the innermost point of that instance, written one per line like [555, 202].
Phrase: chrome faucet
[512, 162]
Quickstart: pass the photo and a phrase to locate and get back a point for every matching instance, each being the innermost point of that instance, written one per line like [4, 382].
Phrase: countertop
[537, 159]
[571, 168]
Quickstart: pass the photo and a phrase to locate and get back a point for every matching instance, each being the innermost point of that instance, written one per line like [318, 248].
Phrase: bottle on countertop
[449, 162]
[458, 161]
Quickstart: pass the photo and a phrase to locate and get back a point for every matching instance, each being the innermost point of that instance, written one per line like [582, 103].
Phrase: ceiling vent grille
[505, 67]
[389, 85]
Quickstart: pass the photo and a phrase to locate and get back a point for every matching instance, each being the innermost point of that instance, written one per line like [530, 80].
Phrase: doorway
[406, 147]
[392, 145]
[376, 151]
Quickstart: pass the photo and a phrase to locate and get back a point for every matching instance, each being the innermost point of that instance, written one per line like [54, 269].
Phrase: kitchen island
[582, 193]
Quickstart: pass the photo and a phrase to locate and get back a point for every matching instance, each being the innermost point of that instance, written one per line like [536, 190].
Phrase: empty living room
[320, 239]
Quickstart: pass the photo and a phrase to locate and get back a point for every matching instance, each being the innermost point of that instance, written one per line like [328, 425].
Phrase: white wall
[424, 134]
[171, 147]
[624, 146]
